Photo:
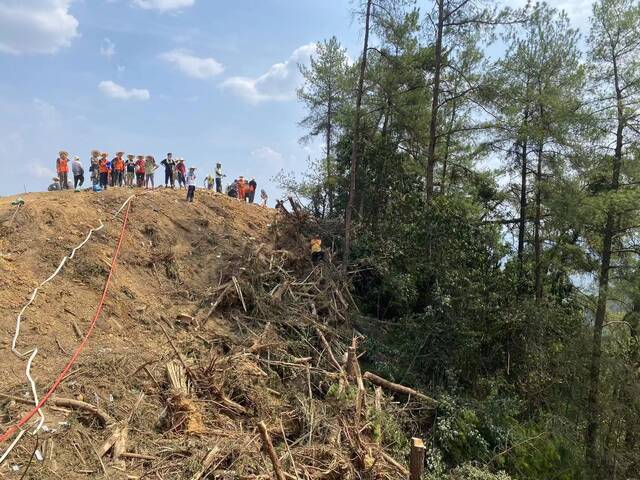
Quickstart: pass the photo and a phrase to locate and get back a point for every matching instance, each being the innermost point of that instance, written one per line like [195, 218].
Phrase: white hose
[34, 351]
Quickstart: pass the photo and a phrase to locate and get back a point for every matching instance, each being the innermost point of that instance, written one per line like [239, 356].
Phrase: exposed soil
[215, 279]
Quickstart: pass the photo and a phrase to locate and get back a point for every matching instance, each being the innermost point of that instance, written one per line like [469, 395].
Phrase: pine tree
[324, 93]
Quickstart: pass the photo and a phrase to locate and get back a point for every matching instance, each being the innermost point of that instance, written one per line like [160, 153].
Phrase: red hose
[13, 429]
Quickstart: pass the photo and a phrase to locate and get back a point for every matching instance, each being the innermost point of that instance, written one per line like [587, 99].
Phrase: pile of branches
[280, 394]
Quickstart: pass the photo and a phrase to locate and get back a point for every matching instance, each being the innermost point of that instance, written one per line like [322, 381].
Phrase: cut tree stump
[416, 462]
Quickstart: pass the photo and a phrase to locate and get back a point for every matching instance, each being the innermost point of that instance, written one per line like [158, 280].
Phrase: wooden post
[275, 461]
[416, 463]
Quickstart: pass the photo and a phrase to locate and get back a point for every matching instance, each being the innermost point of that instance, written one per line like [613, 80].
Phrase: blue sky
[208, 80]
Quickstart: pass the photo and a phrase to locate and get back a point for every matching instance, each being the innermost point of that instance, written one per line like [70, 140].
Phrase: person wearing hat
[242, 187]
[55, 185]
[191, 184]
[62, 168]
[219, 176]
[140, 171]
[117, 166]
[78, 172]
[169, 166]
[130, 166]
[181, 170]
[149, 169]
[104, 168]
[93, 167]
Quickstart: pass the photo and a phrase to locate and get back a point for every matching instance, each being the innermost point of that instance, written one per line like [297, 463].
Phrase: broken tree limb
[327, 347]
[354, 372]
[176, 351]
[207, 462]
[401, 468]
[416, 461]
[396, 387]
[268, 446]
[103, 416]
[138, 456]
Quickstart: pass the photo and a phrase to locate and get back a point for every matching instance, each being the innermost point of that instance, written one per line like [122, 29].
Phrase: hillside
[213, 323]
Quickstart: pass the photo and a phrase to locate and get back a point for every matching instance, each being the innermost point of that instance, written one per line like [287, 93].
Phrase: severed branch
[103, 416]
[327, 347]
[275, 460]
[396, 387]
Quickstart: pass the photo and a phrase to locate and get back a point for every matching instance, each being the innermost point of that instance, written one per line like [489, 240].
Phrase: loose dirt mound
[215, 321]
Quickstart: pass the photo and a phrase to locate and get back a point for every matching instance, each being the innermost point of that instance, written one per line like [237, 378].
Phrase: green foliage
[492, 315]
[470, 472]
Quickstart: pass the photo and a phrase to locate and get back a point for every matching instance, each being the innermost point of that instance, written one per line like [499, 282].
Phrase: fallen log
[396, 387]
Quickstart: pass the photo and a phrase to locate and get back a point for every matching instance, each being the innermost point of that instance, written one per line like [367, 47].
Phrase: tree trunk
[433, 125]
[329, 187]
[537, 242]
[593, 401]
[523, 206]
[447, 145]
[355, 145]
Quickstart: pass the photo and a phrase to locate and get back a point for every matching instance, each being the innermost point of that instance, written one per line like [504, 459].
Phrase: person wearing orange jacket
[242, 186]
[103, 169]
[62, 168]
[118, 169]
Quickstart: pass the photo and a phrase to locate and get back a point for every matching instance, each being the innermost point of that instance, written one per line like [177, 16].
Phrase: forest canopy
[480, 182]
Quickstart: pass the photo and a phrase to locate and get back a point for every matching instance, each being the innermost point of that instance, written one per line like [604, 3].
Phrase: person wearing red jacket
[62, 168]
[103, 169]
[181, 169]
[140, 171]
[117, 165]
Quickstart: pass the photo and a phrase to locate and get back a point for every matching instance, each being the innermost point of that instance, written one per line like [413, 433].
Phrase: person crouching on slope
[62, 168]
[140, 171]
[317, 255]
[208, 182]
[191, 184]
[103, 170]
[181, 171]
[149, 169]
[78, 173]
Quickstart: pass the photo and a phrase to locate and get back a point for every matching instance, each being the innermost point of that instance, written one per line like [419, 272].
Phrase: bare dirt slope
[210, 326]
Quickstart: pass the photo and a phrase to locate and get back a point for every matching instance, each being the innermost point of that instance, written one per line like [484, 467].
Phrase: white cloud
[47, 114]
[113, 90]
[277, 84]
[107, 48]
[194, 67]
[40, 171]
[578, 11]
[269, 156]
[163, 5]
[36, 26]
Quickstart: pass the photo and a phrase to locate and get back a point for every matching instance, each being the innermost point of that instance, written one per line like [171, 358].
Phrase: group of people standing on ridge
[139, 171]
